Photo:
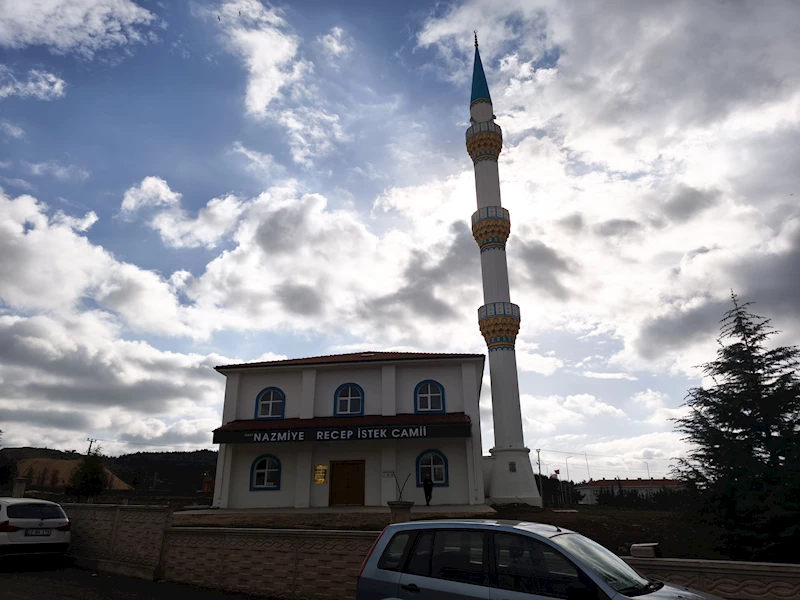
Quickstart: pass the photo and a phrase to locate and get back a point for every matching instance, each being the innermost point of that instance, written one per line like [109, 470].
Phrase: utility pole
[154, 479]
[587, 465]
[648, 469]
[91, 441]
[566, 460]
[539, 462]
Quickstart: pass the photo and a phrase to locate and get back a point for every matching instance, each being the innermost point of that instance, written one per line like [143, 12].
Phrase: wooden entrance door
[347, 482]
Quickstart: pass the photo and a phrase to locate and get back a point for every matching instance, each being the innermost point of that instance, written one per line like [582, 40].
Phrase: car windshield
[35, 511]
[615, 571]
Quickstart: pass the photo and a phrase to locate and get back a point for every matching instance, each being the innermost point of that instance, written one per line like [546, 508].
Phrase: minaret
[511, 478]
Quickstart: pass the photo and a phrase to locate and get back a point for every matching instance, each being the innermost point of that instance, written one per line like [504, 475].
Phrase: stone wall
[120, 533]
[296, 564]
[726, 579]
[316, 565]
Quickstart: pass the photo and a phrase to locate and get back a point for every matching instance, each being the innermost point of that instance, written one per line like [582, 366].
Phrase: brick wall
[127, 534]
[296, 564]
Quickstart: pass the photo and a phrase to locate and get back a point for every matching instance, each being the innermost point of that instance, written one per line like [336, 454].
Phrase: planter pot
[401, 511]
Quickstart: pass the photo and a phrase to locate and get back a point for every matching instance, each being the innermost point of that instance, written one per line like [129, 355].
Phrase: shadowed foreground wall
[283, 563]
[309, 564]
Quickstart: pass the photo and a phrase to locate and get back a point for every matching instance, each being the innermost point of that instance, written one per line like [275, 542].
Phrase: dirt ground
[679, 535]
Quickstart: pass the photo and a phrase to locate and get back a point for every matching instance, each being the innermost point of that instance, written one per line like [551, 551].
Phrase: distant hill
[55, 473]
[173, 473]
[179, 473]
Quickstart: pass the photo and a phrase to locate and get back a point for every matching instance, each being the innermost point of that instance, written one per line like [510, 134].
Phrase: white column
[494, 272]
[388, 463]
[232, 398]
[487, 183]
[388, 391]
[505, 395]
[307, 391]
[469, 386]
[302, 479]
[219, 476]
[222, 482]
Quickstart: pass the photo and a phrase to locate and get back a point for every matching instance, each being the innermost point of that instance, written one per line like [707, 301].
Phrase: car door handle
[411, 587]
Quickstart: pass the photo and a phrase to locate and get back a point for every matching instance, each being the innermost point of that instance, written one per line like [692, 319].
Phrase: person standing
[427, 486]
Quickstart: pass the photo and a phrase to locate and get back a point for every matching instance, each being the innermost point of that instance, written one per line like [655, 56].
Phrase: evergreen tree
[743, 430]
[54, 478]
[89, 478]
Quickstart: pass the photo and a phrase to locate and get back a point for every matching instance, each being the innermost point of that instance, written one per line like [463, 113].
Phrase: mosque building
[354, 429]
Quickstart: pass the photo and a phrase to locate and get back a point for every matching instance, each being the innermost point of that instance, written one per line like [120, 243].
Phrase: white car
[29, 526]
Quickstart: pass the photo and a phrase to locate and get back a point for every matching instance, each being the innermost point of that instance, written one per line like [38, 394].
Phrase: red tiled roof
[365, 421]
[627, 483]
[355, 357]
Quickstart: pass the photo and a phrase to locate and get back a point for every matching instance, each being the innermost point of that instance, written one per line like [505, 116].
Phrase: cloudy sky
[185, 183]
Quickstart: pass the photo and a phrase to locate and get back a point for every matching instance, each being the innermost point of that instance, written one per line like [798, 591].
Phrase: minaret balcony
[499, 323]
[484, 141]
[491, 226]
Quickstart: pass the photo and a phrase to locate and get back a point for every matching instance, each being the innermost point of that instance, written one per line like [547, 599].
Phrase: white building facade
[343, 430]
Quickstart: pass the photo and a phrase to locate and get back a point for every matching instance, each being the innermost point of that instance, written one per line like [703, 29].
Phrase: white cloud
[80, 26]
[280, 83]
[215, 220]
[39, 252]
[656, 403]
[176, 227]
[18, 183]
[312, 133]
[39, 85]
[58, 170]
[335, 42]
[12, 130]
[261, 38]
[152, 191]
[262, 165]
[546, 414]
[596, 375]
[529, 360]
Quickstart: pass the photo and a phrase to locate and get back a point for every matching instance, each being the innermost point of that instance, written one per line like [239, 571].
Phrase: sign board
[321, 474]
[344, 433]
[388, 474]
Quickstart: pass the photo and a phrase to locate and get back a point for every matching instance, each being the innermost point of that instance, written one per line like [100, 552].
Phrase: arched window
[349, 400]
[433, 464]
[429, 397]
[270, 403]
[265, 474]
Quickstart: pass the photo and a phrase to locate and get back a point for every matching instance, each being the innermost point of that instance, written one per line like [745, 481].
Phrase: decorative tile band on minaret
[510, 475]
[491, 227]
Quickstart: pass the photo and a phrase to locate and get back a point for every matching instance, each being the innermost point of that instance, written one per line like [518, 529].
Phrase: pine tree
[89, 478]
[743, 430]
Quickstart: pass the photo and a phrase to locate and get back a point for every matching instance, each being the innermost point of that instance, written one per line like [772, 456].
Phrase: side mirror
[581, 592]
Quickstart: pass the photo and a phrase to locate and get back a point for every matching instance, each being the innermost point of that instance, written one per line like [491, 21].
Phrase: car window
[393, 555]
[35, 511]
[460, 556]
[526, 565]
[420, 561]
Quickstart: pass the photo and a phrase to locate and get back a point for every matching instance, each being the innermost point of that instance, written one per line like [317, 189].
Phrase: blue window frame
[270, 403]
[348, 401]
[433, 463]
[265, 474]
[429, 397]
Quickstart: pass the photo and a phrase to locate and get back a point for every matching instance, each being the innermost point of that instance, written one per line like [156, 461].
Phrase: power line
[604, 455]
[145, 444]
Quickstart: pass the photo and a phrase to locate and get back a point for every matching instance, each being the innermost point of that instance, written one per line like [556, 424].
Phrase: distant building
[644, 487]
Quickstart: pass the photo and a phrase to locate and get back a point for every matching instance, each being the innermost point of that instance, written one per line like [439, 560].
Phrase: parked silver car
[500, 560]
[29, 526]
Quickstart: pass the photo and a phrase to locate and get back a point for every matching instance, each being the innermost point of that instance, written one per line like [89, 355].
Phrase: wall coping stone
[694, 564]
[342, 533]
[145, 507]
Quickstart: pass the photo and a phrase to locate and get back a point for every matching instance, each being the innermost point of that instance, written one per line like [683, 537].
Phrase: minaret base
[512, 480]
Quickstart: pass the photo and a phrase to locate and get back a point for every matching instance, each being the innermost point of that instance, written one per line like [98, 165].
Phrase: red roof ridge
[352, 357]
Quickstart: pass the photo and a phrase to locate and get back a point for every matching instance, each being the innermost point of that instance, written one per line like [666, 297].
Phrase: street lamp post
[566, 460]
[648, 469]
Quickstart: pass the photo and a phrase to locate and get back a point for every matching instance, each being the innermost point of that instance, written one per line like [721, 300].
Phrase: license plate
[37, 532]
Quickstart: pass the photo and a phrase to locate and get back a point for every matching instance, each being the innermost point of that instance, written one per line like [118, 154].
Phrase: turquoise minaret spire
[480, 89]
